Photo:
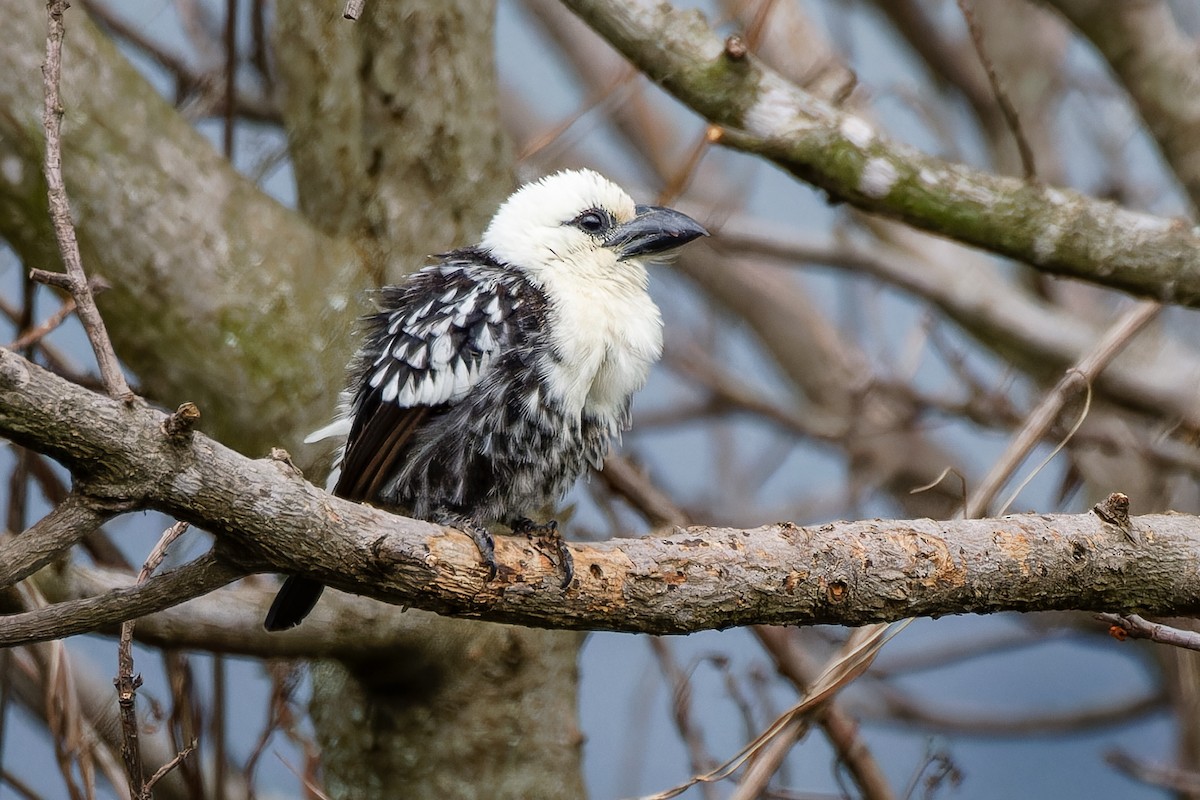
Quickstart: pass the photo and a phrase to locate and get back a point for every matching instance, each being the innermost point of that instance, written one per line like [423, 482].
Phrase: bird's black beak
[654, 230]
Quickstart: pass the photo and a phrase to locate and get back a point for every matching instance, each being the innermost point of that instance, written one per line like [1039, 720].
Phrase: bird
[488, 381]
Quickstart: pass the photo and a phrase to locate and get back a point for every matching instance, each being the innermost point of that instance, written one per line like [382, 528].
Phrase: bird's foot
[483, 542]
[487, 548]
[548, 540]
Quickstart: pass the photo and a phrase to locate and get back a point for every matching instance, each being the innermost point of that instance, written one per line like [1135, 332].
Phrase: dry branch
[1058, 231]
[1043, 416]
[118, 605]
[266, 517]
[60, 211]
[70, 521]
[127, 684]
[1135, 627]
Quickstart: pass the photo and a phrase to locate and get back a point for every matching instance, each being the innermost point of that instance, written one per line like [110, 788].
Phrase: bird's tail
[292, 604]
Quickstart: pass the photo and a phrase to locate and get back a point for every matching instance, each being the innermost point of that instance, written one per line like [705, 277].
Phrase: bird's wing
[434, 338]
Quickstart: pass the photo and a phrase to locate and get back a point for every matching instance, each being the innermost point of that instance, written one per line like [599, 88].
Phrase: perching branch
[1056, 230]
[266, 517]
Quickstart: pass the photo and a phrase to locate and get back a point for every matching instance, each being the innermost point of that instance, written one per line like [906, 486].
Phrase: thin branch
[206, 573]
[1042, 418]
[127, 686]
[34, 335]
[767, 761]
[216, 722]
[700, 759]
[22, 789]
[897, 708]
[1182, 782]
[202, 89]
[1157, 62]
[101, 733]
[60, 210]
[1002, 317]
[1058, 231]
[1006, 107]
[840, 727]
[127, 683]
[852, 660]
[69, 521]
[166, 768]
[1136, 627]
[231, 63]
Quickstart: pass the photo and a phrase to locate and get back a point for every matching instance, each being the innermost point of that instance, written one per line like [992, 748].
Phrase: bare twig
[201, 89]
[6, 657]
[936, 768]
[1042, 417]
[259, 56]
[127, 683]
[285, 676]
[34, 335]
[51, 355]
[767, 762]
[1182, 782]
[1137, 627]
[216, 726]
[681, 710]
[854, 659]
[899, 708]
[840, 727]
[307, 779]
[1006, 107]
[231, 62]
[22, 789]
[65, 720]
[60, 210]
[166, 768]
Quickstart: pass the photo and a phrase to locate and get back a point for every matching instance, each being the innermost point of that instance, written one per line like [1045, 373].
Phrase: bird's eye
[592, 221]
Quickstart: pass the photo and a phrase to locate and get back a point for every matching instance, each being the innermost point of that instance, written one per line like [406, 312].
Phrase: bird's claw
[544, 535]
[487, 549]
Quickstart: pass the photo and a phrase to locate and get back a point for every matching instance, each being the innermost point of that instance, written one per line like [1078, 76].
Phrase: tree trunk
[396, 141]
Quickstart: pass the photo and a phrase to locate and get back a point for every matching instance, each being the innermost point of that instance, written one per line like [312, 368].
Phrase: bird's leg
[480, 535]
[547, 534]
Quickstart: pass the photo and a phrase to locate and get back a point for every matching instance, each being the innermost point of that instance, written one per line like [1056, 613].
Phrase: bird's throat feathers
[607, 334]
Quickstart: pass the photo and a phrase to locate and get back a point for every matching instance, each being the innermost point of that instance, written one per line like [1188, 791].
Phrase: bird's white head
[577, 223]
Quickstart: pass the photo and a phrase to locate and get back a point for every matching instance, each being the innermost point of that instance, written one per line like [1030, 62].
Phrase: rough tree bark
[266, 517]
